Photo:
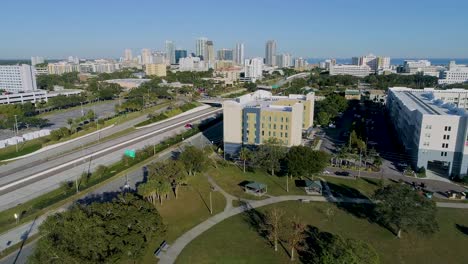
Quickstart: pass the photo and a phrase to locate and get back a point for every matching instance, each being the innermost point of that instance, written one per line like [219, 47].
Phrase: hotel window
[444, 145]
[448, 128]
[274, 126]
[447, 137]
[263, 132]
[287, 119]
[286, 134]
[428, 126]
[427, 135]
[281, 127]
[281, 134]
[282, 119]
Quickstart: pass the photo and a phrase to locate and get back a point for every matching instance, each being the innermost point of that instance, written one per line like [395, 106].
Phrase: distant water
[398, 61]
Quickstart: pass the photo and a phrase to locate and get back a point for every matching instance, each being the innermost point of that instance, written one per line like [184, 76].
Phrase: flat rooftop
[423, 102]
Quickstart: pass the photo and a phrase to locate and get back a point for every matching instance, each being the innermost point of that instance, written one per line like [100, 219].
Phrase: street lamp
[16, 132]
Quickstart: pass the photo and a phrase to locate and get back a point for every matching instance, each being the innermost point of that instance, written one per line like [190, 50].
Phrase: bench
[163, 247]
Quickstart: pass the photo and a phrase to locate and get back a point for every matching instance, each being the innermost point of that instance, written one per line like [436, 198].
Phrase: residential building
[229, 75]
[41, 70]
[239, 54]
[156, 69]
[284, 60]
[422, 67]
[257, 117]
[160, 57]
[146, 56]
[223, 64]
[253, 69]
[200, 47]
[74, 60]
[433, 131]
[99, 66]
[128, 55]
[300, 64]
[270, 53]
[456, 73]
[225, 54]
[209, 57]
[192, 64]
[374, 62]
[170, 52]
[180, 54]
[17, 78]
[62, 67]
[354, 70]
[37, 60]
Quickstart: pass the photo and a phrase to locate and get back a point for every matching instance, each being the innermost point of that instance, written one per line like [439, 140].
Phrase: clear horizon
[310, 29]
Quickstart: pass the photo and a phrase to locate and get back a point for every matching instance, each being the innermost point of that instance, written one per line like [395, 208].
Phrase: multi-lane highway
[30, 177]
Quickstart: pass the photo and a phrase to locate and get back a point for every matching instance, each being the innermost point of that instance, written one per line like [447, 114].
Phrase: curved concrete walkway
[176, 248]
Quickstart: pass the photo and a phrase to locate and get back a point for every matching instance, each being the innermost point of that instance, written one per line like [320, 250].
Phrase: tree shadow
[256, 221]
[370, 181]
[312, 246]
[462, 228]
[99, 198]
[339, 190]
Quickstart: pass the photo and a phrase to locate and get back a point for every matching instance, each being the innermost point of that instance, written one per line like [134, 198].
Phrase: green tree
[98, 233]
[326, 248]
[323, 118]
[402, 208]
[194, 160]
[304, 161]
[245, 154]
[270, 154]
[172, 170]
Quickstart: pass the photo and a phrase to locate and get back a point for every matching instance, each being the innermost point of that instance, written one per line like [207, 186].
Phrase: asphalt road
[104, 193]
[49, 173]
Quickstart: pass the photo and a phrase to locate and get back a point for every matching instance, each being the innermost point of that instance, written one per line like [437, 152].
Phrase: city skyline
[313, 30]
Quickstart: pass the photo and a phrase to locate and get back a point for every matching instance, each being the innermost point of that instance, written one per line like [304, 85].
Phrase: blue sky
[308, 28]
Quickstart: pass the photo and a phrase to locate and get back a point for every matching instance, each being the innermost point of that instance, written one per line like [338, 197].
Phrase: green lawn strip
[350, 187]
[168, 114]
[24, 148]
[235, 240]
[46, 202]
[229, 177]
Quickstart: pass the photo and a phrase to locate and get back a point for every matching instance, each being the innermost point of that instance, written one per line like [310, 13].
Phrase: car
[326, 172]
[188, 125]
[342, 173]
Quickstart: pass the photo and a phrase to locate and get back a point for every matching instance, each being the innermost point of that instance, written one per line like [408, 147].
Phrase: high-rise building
[180, 54]
[422, 67]
[62, 67]
[225, 54]
[200, 47]
[192, 64]
[431, 128]
[256, 118]
[300, 64]
[239, 54]
[36, 60]
[146, 57]
[159, 57]
[284, 60]
[128, 55]
[253, 69]
[156, 69]
[17, 78]
[270, 53]
[170, 52]
[210, 54]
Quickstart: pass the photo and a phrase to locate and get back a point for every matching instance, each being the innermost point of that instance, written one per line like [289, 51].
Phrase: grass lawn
[24, 148]
[236, 240]
[231, 176]
[185, 212]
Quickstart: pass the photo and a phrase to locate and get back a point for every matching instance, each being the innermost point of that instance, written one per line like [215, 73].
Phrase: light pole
[82, 112]
[16, 132]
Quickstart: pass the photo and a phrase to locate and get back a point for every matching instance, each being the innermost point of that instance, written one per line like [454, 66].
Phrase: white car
[326, 172]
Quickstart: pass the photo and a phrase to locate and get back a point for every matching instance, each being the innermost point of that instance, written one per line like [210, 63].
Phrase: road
[21, 183]
[105, 192]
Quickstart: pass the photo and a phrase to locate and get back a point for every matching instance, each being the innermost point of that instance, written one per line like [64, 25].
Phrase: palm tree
[70, 122]
[245, 154]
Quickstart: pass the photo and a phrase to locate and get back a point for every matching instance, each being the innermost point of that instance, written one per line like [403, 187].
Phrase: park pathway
[170, 256]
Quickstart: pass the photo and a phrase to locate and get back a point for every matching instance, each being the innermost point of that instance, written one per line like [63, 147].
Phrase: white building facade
[456, 73]
[433, 132]
[17, 78]
[354, 70]
[253, 69]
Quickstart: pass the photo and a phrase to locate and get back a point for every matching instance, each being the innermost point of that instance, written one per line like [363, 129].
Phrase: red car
[188, 125]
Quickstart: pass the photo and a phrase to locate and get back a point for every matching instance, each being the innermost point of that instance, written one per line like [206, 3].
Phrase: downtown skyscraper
[270, 53]
[239, 54]
[200, 47]
[170, 52]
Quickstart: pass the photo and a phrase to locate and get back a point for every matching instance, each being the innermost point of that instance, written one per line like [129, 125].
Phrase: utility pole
[360, 157]
[154, 150]
[211, 204]
[16, 132]
[82, 112]
[287, 184]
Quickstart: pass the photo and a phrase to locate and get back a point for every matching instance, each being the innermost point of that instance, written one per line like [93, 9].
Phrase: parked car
[188, 125]
[326, 172]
